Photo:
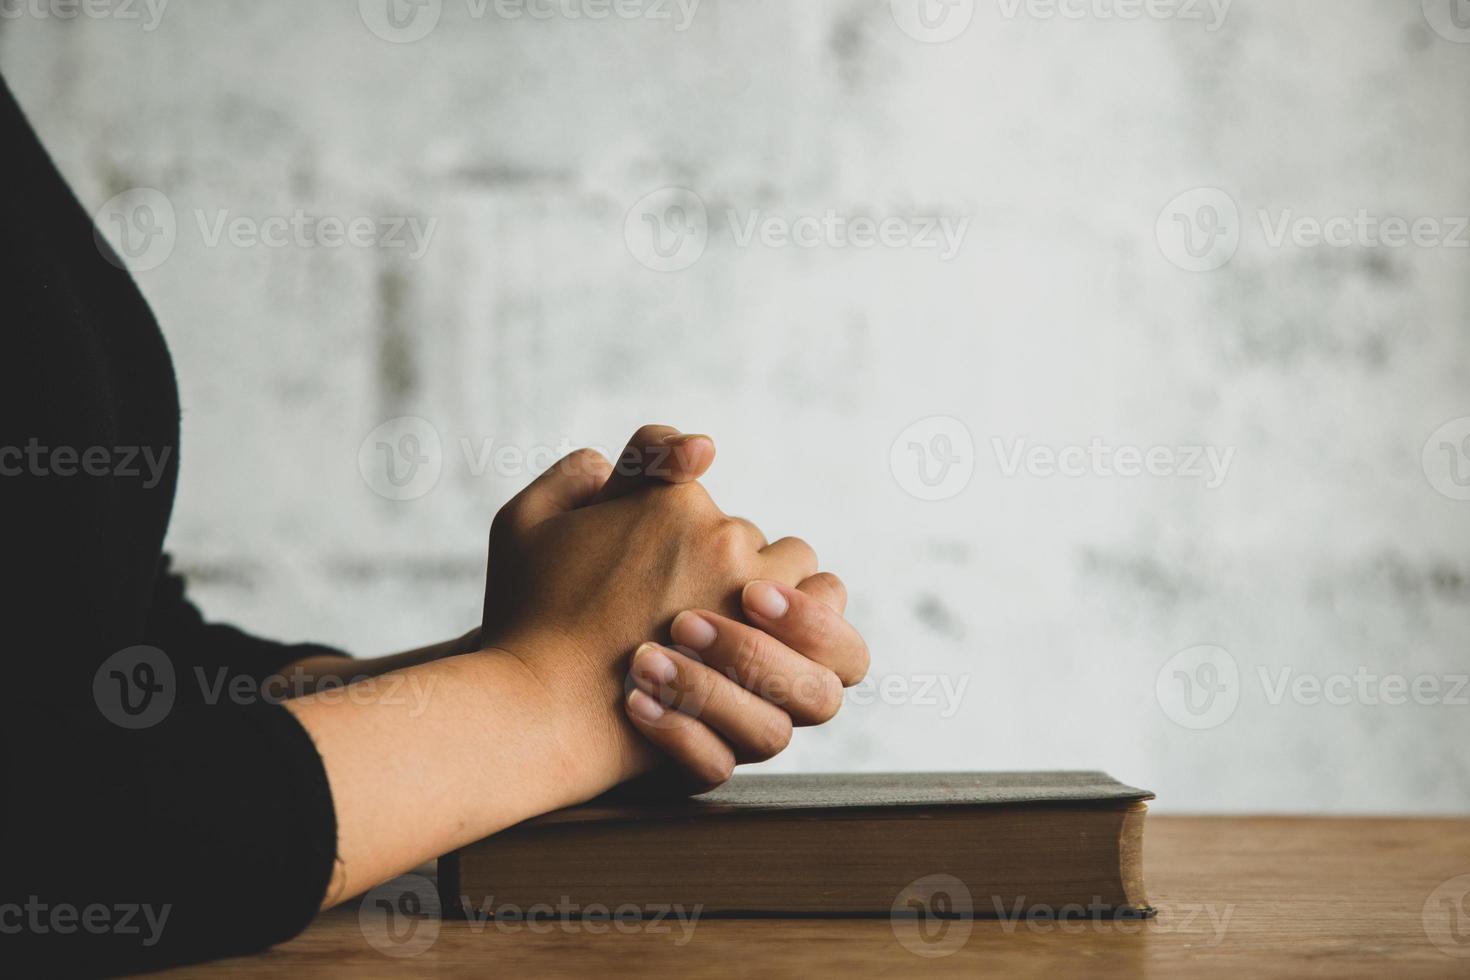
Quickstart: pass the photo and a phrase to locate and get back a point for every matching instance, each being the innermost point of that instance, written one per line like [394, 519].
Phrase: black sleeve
[184, 815]
[210, 833]
[152, 810]
[208, 653]
[161, 818]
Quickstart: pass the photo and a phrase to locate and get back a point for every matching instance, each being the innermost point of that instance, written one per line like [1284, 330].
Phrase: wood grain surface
[1237, 897]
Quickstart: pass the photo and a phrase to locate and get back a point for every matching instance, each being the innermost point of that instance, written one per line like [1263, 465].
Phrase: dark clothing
[144, 820]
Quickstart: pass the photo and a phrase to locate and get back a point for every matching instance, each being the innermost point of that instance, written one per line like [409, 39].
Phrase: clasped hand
[628, 593]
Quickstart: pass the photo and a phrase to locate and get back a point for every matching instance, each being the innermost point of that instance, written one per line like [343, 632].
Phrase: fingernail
[680, 438]
[651, 661]
[644, 707]
[693, 631]
[764, 599]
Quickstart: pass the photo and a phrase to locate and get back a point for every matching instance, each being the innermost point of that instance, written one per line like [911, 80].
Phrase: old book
[1027, 845]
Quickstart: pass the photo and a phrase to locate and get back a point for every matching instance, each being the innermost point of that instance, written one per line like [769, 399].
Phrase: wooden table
[1237, 897]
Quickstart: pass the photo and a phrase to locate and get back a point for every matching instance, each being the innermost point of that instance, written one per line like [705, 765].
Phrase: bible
[984, 845]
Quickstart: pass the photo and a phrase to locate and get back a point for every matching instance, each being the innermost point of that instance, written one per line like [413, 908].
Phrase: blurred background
[1116, 354]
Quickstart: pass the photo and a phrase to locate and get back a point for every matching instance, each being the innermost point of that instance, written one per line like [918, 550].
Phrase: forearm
[485, 747]
[312, 673]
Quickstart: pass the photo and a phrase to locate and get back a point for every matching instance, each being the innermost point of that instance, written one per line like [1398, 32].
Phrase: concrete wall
[1020, 618]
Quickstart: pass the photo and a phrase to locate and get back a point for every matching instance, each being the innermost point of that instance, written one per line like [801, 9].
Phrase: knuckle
[583, 460]
[826, 698]
[727, 543]
[650, 432]
[750, 530]
[748, 654]
[506, 523]
[833, 585]
[807, 551]
[682, 498]
[714, 770]
[587, 463]
[702, 694]
[819, 627]
[502, 519]
[773, 738]
[860, 665]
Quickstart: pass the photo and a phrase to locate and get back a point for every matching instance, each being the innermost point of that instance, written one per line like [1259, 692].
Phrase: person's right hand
[575, 584]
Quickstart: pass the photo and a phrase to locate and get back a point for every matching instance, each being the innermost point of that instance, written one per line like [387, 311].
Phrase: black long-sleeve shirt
[156, 805]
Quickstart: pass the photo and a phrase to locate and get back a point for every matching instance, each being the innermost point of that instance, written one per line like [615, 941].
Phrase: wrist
[589, 737]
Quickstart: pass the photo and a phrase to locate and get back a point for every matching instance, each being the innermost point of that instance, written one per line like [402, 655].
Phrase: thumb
[659, 453]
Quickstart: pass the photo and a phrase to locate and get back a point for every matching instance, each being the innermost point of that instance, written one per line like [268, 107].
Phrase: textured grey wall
[1029, 227]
